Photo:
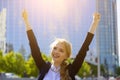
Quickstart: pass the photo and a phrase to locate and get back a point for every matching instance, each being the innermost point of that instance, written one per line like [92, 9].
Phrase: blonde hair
[64, 74]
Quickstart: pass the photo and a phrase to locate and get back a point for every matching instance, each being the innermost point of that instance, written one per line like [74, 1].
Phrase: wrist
[28, 27]
[96, 21]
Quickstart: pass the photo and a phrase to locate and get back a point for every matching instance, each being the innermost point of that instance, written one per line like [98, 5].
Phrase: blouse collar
[55, 69]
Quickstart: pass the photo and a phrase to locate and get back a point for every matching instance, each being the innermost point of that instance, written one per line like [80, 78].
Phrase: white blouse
[53, 73]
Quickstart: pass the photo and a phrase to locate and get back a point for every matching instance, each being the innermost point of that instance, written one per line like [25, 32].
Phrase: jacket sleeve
[35, 51]
[77, 63]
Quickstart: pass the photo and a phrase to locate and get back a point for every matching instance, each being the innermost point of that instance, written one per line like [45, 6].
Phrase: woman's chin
[55, 59]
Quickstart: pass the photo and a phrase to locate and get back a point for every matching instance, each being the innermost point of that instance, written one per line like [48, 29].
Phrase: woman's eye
[55, 48]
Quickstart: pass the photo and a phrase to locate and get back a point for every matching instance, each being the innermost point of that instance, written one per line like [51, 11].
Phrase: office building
[106, 35]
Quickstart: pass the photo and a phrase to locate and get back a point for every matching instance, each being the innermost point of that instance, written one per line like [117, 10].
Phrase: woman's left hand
[96, 17]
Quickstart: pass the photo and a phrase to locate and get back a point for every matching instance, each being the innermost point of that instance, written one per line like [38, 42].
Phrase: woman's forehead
[60, 45]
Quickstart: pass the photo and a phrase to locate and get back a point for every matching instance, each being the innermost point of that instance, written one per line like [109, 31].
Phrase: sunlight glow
[56, 8]
[57, 15]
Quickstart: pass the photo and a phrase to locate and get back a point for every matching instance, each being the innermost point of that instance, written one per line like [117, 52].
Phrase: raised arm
[76, 65]
[33, 42]
[26, 21]
[94, 25]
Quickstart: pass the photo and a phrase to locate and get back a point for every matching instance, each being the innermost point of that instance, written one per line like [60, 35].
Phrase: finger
[24, 11]
[25, 14]
[97, 15]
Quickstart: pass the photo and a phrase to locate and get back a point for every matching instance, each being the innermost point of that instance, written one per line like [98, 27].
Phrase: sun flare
[55, 7]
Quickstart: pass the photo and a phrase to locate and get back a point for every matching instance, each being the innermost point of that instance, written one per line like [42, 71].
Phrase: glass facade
[106, 37]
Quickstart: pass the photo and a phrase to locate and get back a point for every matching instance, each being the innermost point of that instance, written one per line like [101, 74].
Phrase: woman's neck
[56, 64]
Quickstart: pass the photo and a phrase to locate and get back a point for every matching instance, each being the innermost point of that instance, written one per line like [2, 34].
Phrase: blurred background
[52, 19]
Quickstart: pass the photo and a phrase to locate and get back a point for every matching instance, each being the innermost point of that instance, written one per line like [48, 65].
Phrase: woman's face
[59, 53]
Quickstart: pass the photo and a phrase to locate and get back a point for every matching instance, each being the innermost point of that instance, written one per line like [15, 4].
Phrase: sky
[57, 14]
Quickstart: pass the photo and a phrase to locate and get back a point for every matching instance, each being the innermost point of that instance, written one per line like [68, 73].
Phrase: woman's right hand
[25, 18]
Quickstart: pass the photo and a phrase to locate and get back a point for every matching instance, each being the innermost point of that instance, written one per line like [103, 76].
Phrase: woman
[60, 52]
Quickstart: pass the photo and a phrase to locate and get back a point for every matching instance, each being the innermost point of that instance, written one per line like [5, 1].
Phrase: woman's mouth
[56, 56]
